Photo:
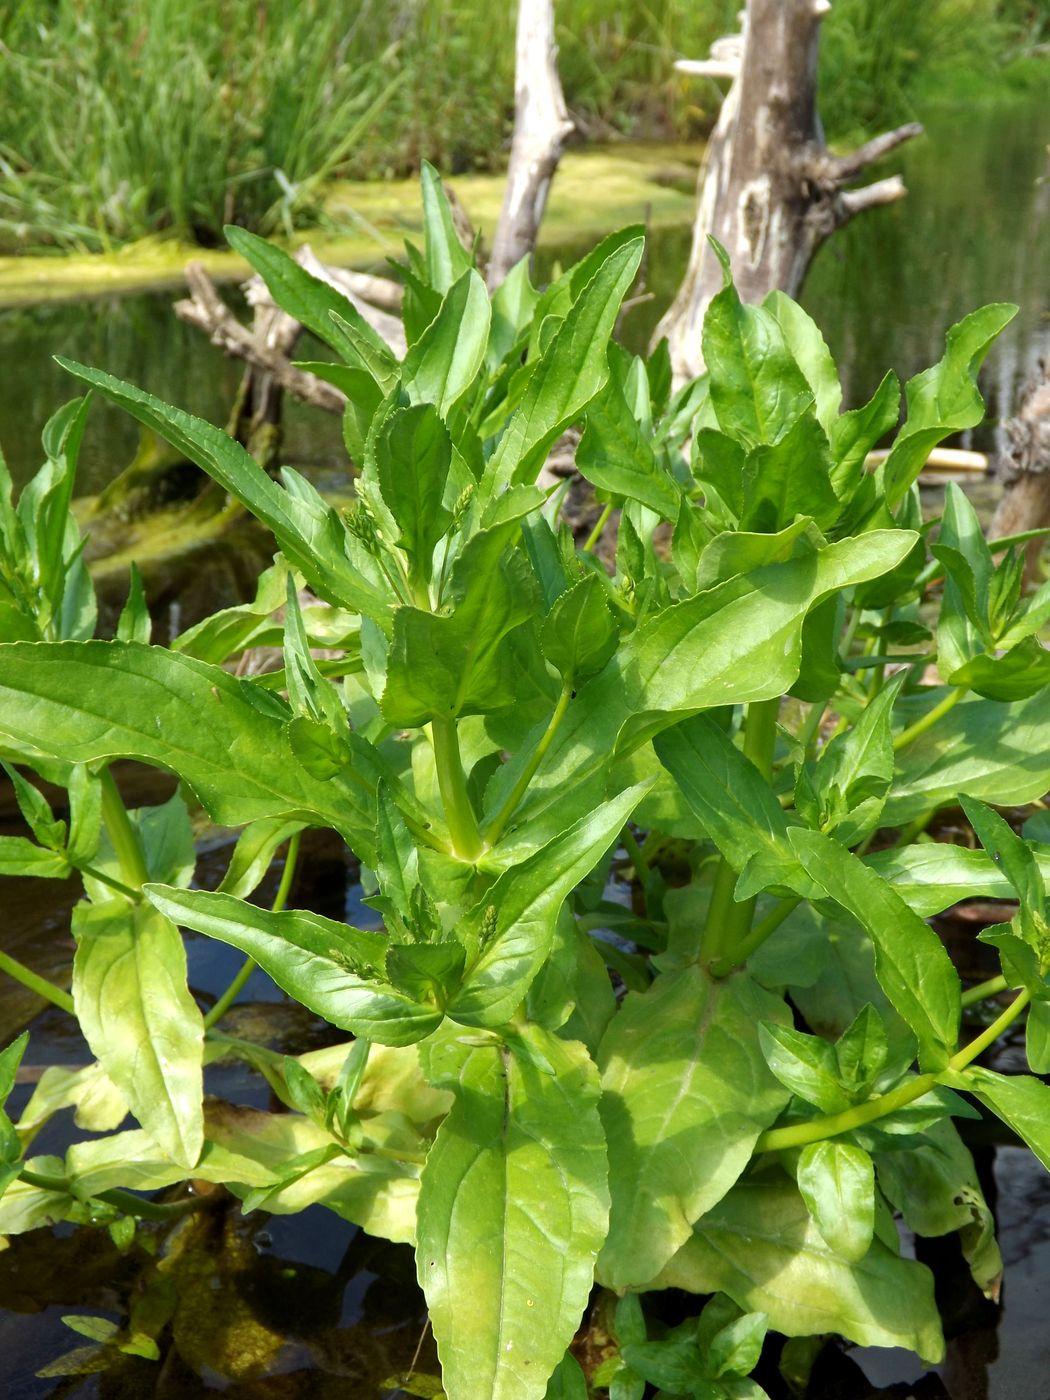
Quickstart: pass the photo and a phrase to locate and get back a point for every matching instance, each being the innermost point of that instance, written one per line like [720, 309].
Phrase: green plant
[506, 723]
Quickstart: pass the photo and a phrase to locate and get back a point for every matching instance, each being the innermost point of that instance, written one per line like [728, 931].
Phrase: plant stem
[634, 852]
[125, 1201]
[43, 988]
[728, 921]
[599, 526]
[929, 719]
[125, 839]
[983, 991]
[798, 1134]
[495, 828]
[134, 895]
[280, 899]
[755, 938]
[452, 783]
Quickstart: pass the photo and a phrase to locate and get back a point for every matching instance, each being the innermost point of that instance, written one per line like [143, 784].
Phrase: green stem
[122, 834]
[134, 895]
[929, 719]
[634, 851]
[728, 922]
[756, 937]
[280, 899]
[43, 988]
[452, 784]
[599, 526]
[121, 1200]
[799, 1134]
[983, 991]
[496, 826]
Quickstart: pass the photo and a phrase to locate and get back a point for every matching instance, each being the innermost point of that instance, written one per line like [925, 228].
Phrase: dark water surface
[280, 1308]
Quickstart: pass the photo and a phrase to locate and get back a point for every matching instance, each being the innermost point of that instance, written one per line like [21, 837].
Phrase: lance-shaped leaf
[445, 361]
[572, 370]
[757, 389]
[1014, 857]
[413, 458]
[515, 940]
[136, 1012]
[934, 875]
[944, 399]
[997, 753]
[685, 1094]
[332, 969]
[1023, 1103]
[513, 1207]
[441, 666]
[10, 1144]
[616, 456]
[854, 434]
[837, 1182]
[911, 963]
[734, 803]
[311, 537]
[579, 634]
[85, 701]
[761, 1246]
[19, 856]
[810, 352]
[446, 259]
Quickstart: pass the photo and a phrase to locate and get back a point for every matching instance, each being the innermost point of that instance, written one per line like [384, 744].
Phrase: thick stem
[122, 834]
[983, 991]
[517, 792]
[121, 1200]
[728, 922]
[452, 784]
[756, 938]
[280, 899]
[905, 737]
[43, 988]
[799, 1134]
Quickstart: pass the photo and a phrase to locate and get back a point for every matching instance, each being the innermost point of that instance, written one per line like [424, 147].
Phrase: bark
[541, 126]
[1024, 467]
[769, 189]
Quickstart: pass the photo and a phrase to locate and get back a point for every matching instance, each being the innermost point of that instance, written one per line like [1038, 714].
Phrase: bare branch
[886, 191]
[845, 167]
[208, 312]
[541, 125]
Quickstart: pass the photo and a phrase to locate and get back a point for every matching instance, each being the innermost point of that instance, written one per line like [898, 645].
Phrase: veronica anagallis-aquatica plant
[732, 1087]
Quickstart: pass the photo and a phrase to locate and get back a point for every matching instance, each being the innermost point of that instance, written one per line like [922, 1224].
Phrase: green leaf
[527, 899]
[1021, 671]
[996, 753]
[10, 1144]
[761, 1246]
[332, 969]
[679, 1130]
[837, 1183]
[734, 803]
[861, 1052]
[944, 399]
[19, 856]
[85, 701]
[911, 963]
[442, 666]
[757, 389]
[579, 635]
[811, 354]
[934, 875]
[446, 360]
[137, 1015]
[788, 478]
[1023, 1103]
[736, 1347]
[805, 1064]
[1037, 1037]
[134, 623]
[312, 539]
[446, 258]
[1010, 853]
[519, 1163]
[616, 456]
[568, 1381]
[933, 1183]
[413, 458]
[855, 433]
[571, 372]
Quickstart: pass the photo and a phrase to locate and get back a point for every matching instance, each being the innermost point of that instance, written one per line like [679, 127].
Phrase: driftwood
[769, 189]
[1024, 466]
[541, 127]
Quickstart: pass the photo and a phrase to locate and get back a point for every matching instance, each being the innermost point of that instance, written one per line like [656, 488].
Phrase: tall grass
[120, 118]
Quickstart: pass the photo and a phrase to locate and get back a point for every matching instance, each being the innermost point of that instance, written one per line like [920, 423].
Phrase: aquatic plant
[741, 1078]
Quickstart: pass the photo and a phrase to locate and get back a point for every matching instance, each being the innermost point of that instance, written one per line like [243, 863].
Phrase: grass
[126, 118]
